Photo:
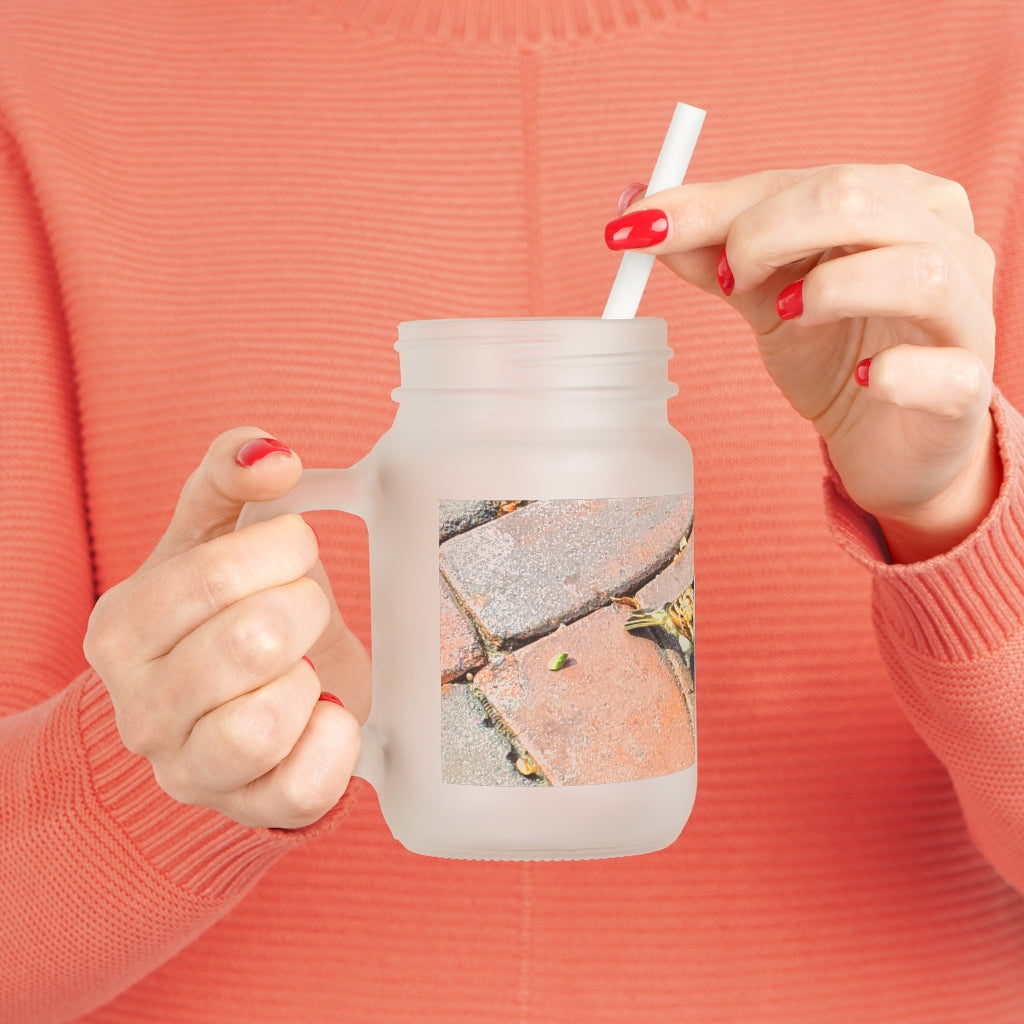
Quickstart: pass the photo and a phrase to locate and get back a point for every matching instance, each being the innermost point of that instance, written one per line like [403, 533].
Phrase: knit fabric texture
[214, 214]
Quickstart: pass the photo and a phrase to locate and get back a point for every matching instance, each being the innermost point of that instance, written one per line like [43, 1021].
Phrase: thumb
[952, 386]
[241, 465]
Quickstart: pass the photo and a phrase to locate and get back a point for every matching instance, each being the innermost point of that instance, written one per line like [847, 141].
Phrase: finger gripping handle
[340, 490]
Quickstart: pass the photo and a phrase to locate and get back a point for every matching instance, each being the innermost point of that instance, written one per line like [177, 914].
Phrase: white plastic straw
[674, 158]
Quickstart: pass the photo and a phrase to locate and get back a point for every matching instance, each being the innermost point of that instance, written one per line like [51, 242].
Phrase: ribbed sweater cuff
[962, 604]
[194, 848]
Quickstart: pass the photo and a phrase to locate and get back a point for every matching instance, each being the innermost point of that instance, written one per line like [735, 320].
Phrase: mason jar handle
[338, 490]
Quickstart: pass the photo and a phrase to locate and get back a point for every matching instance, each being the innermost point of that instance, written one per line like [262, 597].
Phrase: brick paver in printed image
[536, 651]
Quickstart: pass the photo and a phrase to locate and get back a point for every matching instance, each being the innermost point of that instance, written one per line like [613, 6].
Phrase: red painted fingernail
[861, 373]
[252, 451]
[637, 230]
[309, 663]
[790, 303]
[629, 195]
[331, 698]
[724, 274]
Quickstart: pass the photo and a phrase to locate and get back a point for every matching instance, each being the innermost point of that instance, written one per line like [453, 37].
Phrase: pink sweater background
[214, 214]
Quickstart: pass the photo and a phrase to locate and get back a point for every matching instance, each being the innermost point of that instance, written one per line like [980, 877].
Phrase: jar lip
[565, 355]
[529, 319]
[580, 390]
[528, 328]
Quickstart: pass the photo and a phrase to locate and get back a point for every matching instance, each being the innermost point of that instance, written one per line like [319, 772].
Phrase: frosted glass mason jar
[530, 517]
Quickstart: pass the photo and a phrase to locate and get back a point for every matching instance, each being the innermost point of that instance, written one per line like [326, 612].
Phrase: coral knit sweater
[215, 213]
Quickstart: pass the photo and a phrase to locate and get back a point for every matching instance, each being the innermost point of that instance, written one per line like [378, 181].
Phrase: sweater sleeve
[951, 631]
[102, 876]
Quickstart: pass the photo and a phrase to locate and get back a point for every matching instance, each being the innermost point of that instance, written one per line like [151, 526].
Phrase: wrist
[939, 525]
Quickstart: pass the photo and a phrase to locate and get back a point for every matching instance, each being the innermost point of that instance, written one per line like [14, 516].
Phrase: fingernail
[861, 373]
[637, 230]
[309, 663]
[628, 196]
[790, 303]
[252, 451]
[724, 274]
[331, 698]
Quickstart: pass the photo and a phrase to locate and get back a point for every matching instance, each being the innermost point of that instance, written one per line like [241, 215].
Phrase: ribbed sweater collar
[526, 22]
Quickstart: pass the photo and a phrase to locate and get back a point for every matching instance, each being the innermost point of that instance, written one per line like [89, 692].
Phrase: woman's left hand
[870, 297]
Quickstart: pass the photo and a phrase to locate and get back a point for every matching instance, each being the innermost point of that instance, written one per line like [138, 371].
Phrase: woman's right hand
[203, 650]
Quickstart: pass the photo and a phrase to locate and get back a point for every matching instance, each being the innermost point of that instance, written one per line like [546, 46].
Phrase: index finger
[172, 598]
[700, 214]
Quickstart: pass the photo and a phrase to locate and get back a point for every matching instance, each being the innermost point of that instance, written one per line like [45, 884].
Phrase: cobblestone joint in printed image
[618, 711]
[568, 557]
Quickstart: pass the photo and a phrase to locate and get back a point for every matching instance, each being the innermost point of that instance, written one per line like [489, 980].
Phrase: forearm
[105, 876]
[951, 630]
